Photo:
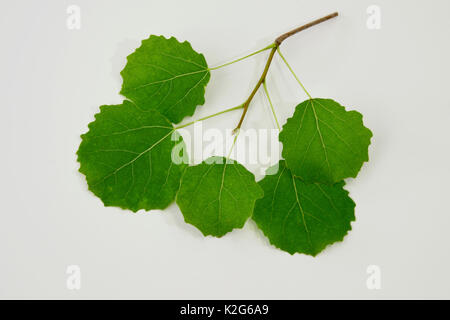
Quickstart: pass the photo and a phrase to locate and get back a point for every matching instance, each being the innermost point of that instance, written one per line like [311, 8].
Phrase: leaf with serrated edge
[302, 218]
[217, 195]
[323, 142]
[166, 75]
[126, 158]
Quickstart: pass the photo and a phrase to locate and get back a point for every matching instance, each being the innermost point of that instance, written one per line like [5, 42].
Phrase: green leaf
[166, 75]
[301, 217]
[323, 142]
[126, 158]
[217, 196]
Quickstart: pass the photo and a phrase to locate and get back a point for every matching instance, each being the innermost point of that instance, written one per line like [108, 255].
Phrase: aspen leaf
[126, 158]
[323, 142]
[217, 195]
[166, 75]
[301, 217]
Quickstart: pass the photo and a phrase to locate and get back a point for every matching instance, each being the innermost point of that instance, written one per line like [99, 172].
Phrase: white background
[53, 80]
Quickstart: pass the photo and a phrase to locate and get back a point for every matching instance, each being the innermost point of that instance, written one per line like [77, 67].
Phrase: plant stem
[286, 35]
[271, 105]
[247, 56]
[274, 47]
[258, 84]
[293, 73]
[210, 116]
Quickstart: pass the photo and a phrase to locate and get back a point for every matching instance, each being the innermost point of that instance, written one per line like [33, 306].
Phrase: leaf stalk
[210, 116]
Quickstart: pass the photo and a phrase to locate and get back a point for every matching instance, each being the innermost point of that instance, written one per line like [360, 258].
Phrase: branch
[258, 84]
[276, 44]
[286, 35]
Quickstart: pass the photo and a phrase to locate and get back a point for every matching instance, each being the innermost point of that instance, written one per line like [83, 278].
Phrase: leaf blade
[166, 75]
[126, 158]
[302, 218]
[322, 142]
[217, 196]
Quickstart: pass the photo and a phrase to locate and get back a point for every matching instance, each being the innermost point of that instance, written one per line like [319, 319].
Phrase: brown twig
[277, 42]
[286, 35]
